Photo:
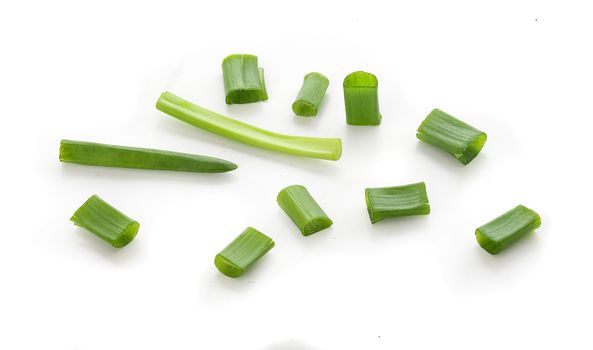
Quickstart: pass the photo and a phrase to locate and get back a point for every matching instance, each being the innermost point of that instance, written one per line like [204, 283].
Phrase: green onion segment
[388, 202]
[314, 147]
[450, 134]
[106, 222]
[361, 99]
[311, 94]
[90, 153]
[303, 210]
[243, 79]
[241, 253]
[506, 229]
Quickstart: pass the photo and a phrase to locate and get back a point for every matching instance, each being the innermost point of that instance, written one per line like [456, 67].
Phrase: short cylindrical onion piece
[311, 94]
[389, 202]
[361, 99]
[303, 210]
[241, 253]
[243, 79]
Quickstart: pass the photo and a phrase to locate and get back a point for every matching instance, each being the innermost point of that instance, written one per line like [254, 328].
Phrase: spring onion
[361, 99]
[323, 148]
[106, 222]
[506, 229]
[90, 153]
[241, 253]
[303, 210]
[311, 94]
[388, 202]
[450, 134]
[243, 79]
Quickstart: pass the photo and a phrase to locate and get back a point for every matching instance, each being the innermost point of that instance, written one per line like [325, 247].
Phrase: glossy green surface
[303, 210]
[389, 202]
[506, 229]
[243, 79]
[241, 253]
[311, 95]
[314, 147]
[361, 99]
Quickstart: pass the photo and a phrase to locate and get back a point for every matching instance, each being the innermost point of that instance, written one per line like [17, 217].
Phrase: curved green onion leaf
[311, 94]
[303, 210]
[506, 229]
[450, 134]
[243, 79]
[389, 202]
[241, 253]
[106, 222]
[314, 147]
[361, 99]
[90, 153]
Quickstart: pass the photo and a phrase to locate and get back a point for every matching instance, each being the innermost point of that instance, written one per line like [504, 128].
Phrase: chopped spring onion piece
[506, 229]
[243, 79]
[314, 147]
[311, 94]
[450, 134]
[389, 202]
[251, 245]
[298, 204]
[361, 99]
[89, 153]
[108, 223]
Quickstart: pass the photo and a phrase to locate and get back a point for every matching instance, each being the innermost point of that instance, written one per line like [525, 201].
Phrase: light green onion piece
[450, 134]
[90, 153]
[243, 79]
[389, 202]
[361, 99]
[311, 94]
[303, 210]
[314, 147]
[106, 222]
[241, 253]
[506, 229]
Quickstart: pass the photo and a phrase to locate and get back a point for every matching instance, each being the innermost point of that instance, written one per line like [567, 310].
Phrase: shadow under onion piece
[106, 222]
[361, 99]
[303, 210]
[311, 94]
[506, 229]
[313, 147]
[241, 253]
[98, 154]
[450, 134]
[243, 79]
[390, 202]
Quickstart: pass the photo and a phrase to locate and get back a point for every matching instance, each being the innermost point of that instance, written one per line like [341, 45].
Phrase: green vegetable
[108, 223]
[450, 134]
[311, 94]
[323, 148]
[243, 79]
[241, 253]
[506, 229]
[361, 99]
[388, 202]
[89, 153]
[298, 204]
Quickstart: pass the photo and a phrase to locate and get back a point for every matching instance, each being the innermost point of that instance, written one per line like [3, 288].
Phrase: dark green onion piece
[361, 99]
[450, 134]
[389, 202]
[241, 253]
[90, 153]
[506, 229]
[311, 94]
[106, 222]
[243, 79]
[302, 209]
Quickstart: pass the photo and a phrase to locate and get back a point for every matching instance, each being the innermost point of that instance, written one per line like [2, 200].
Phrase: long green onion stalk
[506, 229]
[243, 79]
[361, 99]
[303, 210]
[311, 94]
[241, 253]
[389, 202]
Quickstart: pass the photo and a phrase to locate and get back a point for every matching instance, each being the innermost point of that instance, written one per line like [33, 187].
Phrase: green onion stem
[311, 94]
[303, 210]
[388, 202]
[361, 99]
[241, 253]
[243, 79]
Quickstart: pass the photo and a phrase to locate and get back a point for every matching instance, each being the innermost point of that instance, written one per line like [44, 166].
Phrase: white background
[519, 70]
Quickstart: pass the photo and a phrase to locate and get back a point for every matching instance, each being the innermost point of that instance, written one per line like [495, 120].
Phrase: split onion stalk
[303, 210]
[508, 228]
[90, 153]
[241, 253]
[311, 94]
[106, 222]
[361, 99]
[243, 79]
[389, 202]
[314, 147]
[450, 134]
